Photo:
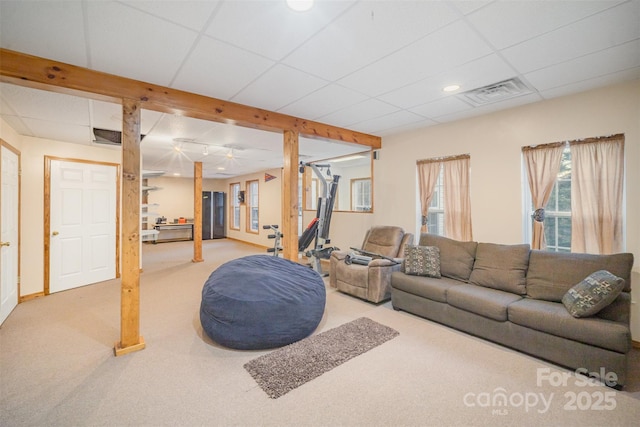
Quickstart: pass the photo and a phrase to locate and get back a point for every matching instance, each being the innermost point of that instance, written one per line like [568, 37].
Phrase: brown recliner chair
[371, 282]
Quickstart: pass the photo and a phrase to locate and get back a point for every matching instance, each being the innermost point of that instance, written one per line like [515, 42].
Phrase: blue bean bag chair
[260, 302]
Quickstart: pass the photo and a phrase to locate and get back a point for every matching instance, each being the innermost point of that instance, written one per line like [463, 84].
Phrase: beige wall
[494, 142]
[175, 195]
[33, 152]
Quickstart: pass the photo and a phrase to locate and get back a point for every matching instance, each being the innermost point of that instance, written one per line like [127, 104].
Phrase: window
[445, 202]
[435, 215]
[579, 207]
[252, 203]
[557, 216]
[361, 195]
[234, 205]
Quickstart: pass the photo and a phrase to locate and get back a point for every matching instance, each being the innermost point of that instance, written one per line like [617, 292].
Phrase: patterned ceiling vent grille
[496, 92]
[109, 137]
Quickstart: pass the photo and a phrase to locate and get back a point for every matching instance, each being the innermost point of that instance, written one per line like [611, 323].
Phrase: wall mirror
[355, 185]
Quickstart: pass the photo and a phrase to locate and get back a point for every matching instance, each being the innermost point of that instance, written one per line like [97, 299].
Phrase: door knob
[55, 233]
[5, 243]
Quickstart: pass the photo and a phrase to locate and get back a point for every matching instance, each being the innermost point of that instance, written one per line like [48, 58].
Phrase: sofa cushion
[421, 261]
[486, 302]
[553, 318]
[425, 287]
[502, 267]
[551, 274]
[592, 294]
[456, 258]
[384, 240]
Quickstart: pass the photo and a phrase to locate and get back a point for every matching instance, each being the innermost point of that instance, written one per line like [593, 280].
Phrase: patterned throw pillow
[592, 294]
[421, 261]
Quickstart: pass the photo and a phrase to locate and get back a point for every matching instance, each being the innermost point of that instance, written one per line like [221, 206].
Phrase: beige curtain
[427, 177]
[457, 200]
[596, 195]
[542, 163]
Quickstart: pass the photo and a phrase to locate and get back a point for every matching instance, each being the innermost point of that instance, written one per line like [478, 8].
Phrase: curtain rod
[443, 159]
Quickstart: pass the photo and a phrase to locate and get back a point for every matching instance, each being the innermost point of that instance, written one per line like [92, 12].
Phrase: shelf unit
[147, 232]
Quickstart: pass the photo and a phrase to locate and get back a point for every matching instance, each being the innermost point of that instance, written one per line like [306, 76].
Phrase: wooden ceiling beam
[41, 73]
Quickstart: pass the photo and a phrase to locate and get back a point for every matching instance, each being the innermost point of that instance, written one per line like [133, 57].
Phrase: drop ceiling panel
[367, 32]
[618, 25]
[52, 29]
[48, 106]
[449, 47]
[584, 85]
[107, 115]
[480, 72]
[357, 113]
[219, 70]
[378, 124]
[193, 15]
[129, 43]
[279, 86]
[441, 107]
[490, 108]
[16, 124]
[74, 133]
[270, 28]
[506, 23]
[597, 64]
[324, 101]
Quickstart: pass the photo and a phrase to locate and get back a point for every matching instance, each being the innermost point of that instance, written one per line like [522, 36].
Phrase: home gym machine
[318, 229]
[277, 235]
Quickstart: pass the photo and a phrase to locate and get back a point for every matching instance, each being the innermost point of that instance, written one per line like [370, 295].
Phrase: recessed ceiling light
[220, 168]
[176, 174]
[300, 5]
[451, 88]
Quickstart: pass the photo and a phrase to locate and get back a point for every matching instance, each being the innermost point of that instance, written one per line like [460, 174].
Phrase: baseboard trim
[249, 243]
[635, 344]
[30, 296]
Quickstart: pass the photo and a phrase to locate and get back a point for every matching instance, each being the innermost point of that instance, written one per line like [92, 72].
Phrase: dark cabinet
[213, 215]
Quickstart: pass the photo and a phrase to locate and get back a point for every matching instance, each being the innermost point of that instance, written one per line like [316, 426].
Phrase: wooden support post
[130, 339]
[290, 196]
[197, 212]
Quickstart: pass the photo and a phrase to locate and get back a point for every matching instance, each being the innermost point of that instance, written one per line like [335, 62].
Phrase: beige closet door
[82, 224]
[9, 226]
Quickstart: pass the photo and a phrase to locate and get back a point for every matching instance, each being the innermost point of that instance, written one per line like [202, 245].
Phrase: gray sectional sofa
[513, 296]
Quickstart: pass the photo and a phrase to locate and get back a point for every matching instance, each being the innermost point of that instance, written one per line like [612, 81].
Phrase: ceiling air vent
[109, 137]
[496, 92]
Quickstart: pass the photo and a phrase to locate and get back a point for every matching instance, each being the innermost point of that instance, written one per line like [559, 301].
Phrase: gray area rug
[285, 369]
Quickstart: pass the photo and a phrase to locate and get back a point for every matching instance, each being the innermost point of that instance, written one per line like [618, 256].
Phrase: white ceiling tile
[411, 126]
[449, 47]
[108, 115]
[399, 118]
[609, 79]
[607, 29]
[597, 64]
[270, 28]
[505, 23]
[219, 70]
[441, 107]
[490, 108]
[17, 124]
[324, 101]
[78, 134]
[357, 113]
[191, 14]
[367, 32]
[481, 72]
[44, 105]
[50, 29]
[468, 6]
[130, 43]
[279, 86]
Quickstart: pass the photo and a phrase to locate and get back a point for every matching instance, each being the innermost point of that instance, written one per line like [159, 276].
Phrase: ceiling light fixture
[451, 88]
[300, 5]
[230, 154]
[205, 151]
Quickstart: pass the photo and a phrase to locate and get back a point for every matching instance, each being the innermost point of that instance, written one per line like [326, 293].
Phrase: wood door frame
[47, 212]
[14, 150]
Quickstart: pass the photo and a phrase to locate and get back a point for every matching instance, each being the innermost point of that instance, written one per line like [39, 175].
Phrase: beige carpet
[57, 367]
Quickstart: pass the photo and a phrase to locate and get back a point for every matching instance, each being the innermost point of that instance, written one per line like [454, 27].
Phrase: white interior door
[8, 232]
[82, 224]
